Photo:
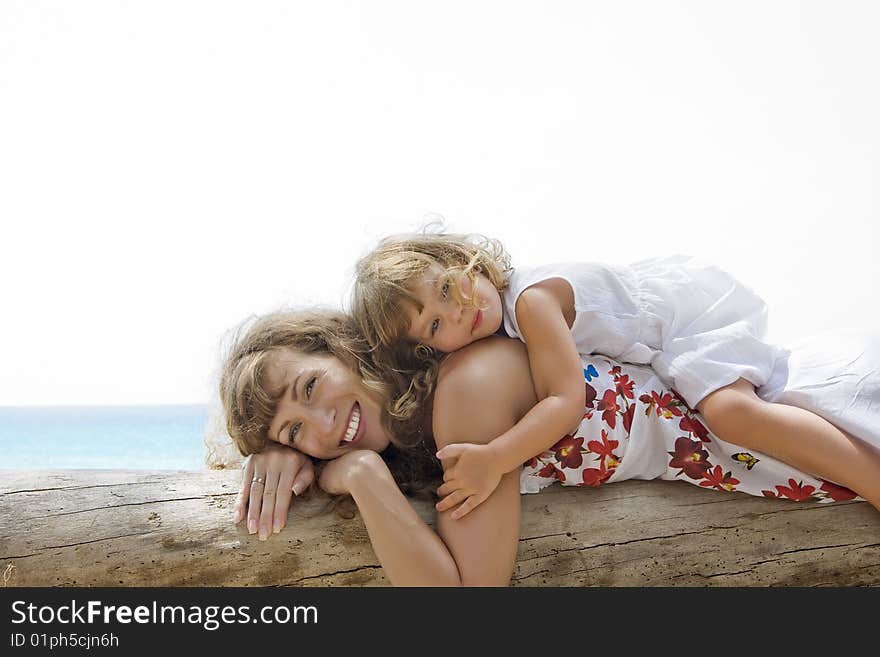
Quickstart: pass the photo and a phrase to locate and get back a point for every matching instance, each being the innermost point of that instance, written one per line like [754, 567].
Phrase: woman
[632, 428]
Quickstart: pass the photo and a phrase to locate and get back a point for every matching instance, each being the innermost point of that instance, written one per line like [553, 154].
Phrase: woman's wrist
[366, 467]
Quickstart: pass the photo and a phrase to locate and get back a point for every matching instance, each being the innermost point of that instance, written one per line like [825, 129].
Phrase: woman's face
[325, 409]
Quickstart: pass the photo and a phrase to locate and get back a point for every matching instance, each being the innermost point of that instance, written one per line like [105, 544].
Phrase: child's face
[445, 325]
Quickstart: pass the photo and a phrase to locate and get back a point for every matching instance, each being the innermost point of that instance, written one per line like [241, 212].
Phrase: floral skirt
[634, 427]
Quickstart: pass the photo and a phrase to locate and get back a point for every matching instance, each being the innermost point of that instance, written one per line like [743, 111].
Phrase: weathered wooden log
[138, 528]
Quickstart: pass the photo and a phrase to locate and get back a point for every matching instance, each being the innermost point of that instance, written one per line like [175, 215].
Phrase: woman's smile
[355, 427]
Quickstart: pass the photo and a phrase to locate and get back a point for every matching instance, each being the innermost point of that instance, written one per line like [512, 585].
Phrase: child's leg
[802, 439]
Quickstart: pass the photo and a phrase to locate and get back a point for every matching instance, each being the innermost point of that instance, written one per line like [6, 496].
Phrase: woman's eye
[310, 386]
[294, 432]
[434, 326]
[444, 290]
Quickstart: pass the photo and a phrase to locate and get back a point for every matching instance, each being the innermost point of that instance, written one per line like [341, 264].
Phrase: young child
[699, 329]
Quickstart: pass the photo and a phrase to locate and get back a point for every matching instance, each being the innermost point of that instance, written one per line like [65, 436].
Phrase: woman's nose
[324, 419]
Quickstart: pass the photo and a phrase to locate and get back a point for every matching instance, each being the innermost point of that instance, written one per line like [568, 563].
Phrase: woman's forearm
[411, 553]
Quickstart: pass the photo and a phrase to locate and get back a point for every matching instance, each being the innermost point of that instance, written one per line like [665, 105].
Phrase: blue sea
[117, 437]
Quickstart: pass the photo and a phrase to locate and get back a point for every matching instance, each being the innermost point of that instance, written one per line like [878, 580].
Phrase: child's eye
[310, 386]
[444, 290]
[434, 326]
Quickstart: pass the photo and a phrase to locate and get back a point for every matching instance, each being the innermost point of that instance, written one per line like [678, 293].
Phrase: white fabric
[835, 375]
[697, 326]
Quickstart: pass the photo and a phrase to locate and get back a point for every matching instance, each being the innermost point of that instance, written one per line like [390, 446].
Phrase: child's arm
[557, 375]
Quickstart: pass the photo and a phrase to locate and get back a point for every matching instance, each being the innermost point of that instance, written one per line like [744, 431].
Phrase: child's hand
[470, 480]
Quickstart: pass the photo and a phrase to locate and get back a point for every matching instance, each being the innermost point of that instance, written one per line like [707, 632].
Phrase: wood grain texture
[139, 528]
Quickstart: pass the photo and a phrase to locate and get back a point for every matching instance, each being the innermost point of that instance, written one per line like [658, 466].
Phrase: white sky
[169, 167]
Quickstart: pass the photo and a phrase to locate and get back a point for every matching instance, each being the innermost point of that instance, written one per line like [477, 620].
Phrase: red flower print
[531, 463]
[624, 385]
[615, 370]
[551, 470]
[667, 405]
[596, 477]
[715, 479]
[605, 448]
[693, 425]
[628, 418]
[589, 395]
[837, 493]
[796, 491]
[608, 406]
[690, 456]
[568, 452]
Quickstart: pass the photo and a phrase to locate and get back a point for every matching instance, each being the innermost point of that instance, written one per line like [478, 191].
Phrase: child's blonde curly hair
[383, 288]
[382, 297]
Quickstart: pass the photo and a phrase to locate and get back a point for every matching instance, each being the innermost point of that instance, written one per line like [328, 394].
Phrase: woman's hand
[336, 475]
[268, 481]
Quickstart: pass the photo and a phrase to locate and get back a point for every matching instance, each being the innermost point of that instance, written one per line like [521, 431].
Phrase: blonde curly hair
[385, 277]
[249, 405]
[382, 296]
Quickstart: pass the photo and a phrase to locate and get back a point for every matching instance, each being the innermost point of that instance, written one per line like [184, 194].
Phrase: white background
[169, 167]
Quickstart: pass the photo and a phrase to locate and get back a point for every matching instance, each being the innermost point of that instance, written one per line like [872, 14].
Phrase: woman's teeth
[353, 424]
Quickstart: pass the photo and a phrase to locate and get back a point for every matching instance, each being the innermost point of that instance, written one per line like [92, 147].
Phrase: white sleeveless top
[697, 326]
[609, 318]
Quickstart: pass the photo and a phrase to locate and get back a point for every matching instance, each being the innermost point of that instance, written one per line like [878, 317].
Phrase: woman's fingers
[304, 478]
[270, 490]
[270, 479]
[255, 501]
[247, 473]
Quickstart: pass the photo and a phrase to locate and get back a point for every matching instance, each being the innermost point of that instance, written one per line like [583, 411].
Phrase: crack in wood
[46, 490]
[737, 572]
[119, 506]
[724, 500]
[805, 506]
[58, 547]
[523, 578]
[819, 547]
[338, 572]
[535, 538]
